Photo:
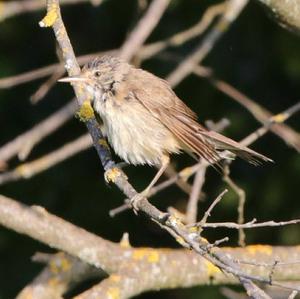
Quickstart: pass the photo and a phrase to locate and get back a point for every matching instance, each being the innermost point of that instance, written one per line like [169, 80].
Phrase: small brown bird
[146, 122]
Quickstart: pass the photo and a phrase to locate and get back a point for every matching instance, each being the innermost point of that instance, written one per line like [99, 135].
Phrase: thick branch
[180, 268]
[287, 12]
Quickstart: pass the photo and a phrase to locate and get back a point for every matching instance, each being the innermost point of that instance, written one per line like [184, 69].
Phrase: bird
[146, 122]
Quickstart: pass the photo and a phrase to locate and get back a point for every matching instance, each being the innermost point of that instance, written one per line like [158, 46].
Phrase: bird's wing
[162, 102]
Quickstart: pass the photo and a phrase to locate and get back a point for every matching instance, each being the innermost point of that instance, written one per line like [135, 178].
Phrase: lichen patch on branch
[86, 111]
[111, 174]
[50, 17]
[60, 265]
[265, 249]
[151, 255]
[212, 270]
[113, 293]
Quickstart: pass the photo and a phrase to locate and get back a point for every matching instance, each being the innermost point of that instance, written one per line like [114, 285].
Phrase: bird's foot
[135, 200]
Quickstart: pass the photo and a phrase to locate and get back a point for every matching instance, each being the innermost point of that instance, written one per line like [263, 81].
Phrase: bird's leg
[165, 160]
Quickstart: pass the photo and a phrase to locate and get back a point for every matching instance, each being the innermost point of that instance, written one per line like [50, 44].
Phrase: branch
[170, 223]
[143, 28]
[233, 9]
[241, 203]
[148, 264]
[182, 37]
[286, 12]
[291, 137]
[211, 207]
[145, 52]
[23, 144]
[60, 275]
[192, 206]
[249, 225]
[30, 169]
[13, 8]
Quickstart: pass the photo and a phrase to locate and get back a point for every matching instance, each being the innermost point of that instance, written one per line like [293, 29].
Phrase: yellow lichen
[60, 265]
[124, 243]
[115, 278]
[53, 267]
[86, 111]
[23, 171]
[211, 269]
[174, 262]
[65, 265]
[185, 173]
[279, 118]
[152, 256]
[222, 26]
[203, 240]
[180, 241]
[103, 142]
[111, 174]
[54, 281]
[193, 229]
[265, 249]
[113, 293]
[50, 17]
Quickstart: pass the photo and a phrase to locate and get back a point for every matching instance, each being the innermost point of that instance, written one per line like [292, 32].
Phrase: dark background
[255, 55]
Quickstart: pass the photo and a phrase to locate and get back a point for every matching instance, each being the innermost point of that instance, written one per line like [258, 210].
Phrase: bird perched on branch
[146, 122]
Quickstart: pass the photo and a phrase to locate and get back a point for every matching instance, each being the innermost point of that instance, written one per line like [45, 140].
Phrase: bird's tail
[221, 142]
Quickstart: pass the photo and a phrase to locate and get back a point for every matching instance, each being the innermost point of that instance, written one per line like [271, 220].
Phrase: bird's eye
[97, 74]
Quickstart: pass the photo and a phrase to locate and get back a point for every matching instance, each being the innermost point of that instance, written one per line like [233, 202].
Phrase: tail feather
[224, 143]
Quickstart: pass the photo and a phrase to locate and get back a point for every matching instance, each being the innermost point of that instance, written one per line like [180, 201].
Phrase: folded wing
[181, 121]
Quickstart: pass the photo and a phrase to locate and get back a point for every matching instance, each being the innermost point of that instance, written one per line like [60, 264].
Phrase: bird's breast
[134, 133]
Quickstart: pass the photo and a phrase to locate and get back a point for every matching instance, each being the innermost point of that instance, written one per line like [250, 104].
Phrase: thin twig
[30, 169]
[182, 175]
[211, 207]
[192, 205]
[143, 28]
[233, 9]
[23, 144]
[249, 225]
[276, 119]
[241, 203]
[182, 37]
[13, 8]
[278, 263]
[291, 137]
[41, 92]
[145, 52]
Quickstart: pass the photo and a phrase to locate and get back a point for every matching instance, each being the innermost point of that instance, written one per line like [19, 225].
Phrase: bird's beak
[73, 79]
